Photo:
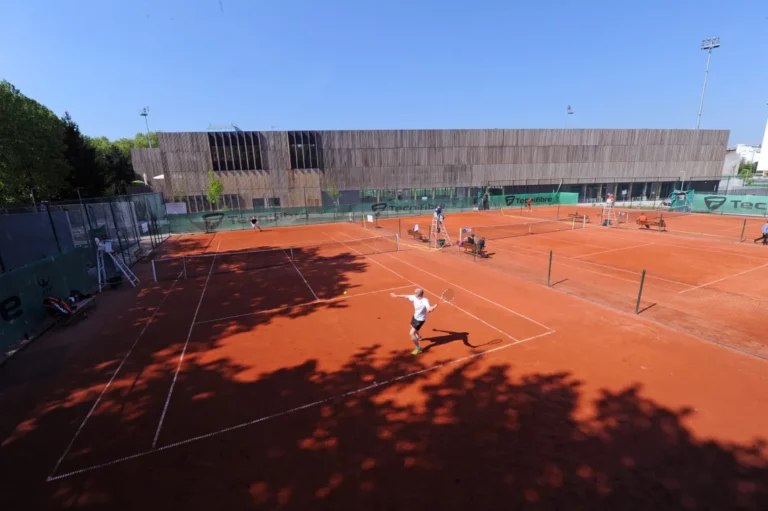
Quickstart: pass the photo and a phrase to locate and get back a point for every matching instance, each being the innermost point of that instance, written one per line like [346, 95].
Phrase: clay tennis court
[272, 381]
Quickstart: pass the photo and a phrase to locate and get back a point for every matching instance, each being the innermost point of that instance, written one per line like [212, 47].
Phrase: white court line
[543, 236]
[278, 309]
[296, 409]
[427, 290]
[615, 268]
[613, 250]
[184, 350]
[463, 289]
[114, 375]
[302, 277]
[666, 243]
[724, 278]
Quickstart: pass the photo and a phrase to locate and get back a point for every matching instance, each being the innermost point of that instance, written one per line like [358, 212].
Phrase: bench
[471, 248]
[656, 222]
[417, 235]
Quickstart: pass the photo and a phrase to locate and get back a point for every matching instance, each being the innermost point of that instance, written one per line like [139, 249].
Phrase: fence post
[154, 272]
[53, 227]
[744, 228]
[640, 293]
[549, 271]
[117, 233]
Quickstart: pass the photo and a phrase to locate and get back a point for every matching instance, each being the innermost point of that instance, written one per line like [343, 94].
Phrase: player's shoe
[417, 351]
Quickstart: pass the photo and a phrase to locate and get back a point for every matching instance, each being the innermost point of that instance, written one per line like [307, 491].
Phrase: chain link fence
[136, 224]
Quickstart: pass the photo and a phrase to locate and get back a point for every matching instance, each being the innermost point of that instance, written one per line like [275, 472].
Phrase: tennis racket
[447, 296]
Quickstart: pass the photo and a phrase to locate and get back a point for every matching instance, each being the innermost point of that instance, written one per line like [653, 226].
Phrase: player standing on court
[420, 308]
[764, 237]
[255, 223]
[529, 203]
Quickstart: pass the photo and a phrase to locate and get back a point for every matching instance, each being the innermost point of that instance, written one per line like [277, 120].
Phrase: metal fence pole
[53, 227]
[744, 228]
[640, 293]
[549, 271]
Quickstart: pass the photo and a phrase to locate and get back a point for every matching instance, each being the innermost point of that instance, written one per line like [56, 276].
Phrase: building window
[198, 203]
[304, 150]
[273, 202]
[235, 150]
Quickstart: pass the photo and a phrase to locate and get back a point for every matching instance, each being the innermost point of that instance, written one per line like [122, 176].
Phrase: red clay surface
[297, 389]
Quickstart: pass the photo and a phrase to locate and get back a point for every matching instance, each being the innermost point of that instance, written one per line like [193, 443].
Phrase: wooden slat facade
[410, 159]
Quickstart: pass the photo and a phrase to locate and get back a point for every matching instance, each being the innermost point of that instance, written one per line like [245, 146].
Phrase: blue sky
[346, 64]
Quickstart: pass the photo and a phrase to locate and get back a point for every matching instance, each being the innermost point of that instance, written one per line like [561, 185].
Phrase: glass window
[303, 149]
[214, 152]
[273, 202]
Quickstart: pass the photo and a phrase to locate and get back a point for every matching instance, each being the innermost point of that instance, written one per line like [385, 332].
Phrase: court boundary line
[592, 263]
[432, 292]
[285, 307]
[305, 406]
[724, 278]
[112, 378]
[184, 350]
[635, 282]
[614, 250]
[302, 276]
[727, 242]
[463, 289]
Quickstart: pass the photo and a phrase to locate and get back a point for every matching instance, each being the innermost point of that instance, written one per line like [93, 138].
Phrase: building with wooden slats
[298, 168]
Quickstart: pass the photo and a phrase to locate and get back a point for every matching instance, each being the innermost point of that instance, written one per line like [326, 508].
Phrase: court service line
[184, 350]
[427, 290]
[613, 250]
[302, 277]
[724, 278]
[114, 375]
[321, 300]
[306, 406]
[463, 289]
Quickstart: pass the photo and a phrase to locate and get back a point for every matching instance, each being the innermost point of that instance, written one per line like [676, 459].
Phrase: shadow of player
[449, 337]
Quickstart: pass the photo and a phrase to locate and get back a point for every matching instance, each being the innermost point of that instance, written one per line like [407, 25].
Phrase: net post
[743, 228]
[549, 271]
[584, 221]
[573, 224]
[557, 215]
[640, 293]
[154, 273]
[399, 226]
[184, 264]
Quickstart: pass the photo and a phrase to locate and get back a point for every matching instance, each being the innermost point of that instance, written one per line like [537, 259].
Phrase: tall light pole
[145, 114]
[568, 114]
[709, 45]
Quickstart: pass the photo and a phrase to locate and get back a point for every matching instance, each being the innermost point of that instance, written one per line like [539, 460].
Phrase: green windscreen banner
[514, 200]
[23, 290]
[753, 205]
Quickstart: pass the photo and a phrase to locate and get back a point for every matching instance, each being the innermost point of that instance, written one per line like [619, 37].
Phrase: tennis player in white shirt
[420, 308]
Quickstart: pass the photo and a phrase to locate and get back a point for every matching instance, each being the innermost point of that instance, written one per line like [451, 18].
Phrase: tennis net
[171, 268]
[495, 232]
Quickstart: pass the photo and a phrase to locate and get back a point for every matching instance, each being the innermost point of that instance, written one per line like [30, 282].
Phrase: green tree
[215, 189]
[87, 173]
[747, 172]
[333, 192]
[31, 148]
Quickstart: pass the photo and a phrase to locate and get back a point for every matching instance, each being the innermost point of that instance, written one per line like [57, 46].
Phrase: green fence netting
[22, 291]
[751, 205]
